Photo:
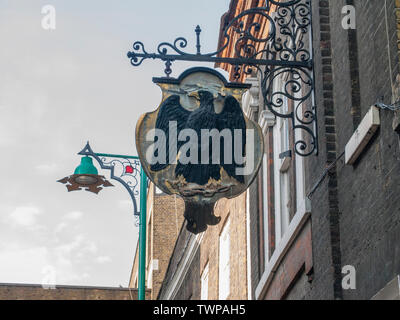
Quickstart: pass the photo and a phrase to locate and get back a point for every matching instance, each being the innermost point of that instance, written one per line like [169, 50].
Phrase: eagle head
[206, 98]
[202, 96]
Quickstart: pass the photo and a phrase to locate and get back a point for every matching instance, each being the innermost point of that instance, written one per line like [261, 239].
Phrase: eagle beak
[194, 94]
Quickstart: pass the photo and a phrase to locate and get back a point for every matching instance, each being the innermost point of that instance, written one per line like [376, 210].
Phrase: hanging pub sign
[198, 143]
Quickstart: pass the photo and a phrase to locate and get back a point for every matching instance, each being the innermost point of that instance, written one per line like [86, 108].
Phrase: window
[282, 161]
[284, 166]
[283, 178]
[224, 262]
[204, 283]
[284, 203]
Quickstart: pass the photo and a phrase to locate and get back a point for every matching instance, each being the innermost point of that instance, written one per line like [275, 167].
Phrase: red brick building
[300, 226]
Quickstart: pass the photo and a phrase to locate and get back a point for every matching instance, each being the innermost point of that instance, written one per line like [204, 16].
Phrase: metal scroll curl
[245, 44]
[123, 170]
[275, 40]
[289, 19]
[287, 93]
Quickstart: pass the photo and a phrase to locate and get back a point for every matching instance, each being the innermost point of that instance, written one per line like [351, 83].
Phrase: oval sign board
[198, 143]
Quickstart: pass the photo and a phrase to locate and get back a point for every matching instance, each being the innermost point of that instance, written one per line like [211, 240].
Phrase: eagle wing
[232, 118]
[199, 173]
[170, 110]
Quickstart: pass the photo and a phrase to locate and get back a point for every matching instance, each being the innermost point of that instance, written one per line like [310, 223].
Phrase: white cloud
[67, 248]
[40, 265]
[80, 247]
[24, 216]
[89, 247]
[73, 215]
[125, 204]
[46, 168]
[22, 265]
[103, 259]
[60, 227]
[67, 219]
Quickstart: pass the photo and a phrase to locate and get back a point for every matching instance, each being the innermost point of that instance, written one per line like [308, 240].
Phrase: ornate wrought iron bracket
[281, 53]
[124, 169]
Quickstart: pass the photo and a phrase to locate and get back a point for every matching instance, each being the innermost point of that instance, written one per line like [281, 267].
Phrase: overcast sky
[58, 89]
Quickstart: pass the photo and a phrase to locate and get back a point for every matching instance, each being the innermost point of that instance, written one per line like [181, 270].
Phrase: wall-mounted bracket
[124, 169]
[280, 53]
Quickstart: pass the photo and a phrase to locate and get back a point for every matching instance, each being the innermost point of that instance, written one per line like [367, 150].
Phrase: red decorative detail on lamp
[129, 169]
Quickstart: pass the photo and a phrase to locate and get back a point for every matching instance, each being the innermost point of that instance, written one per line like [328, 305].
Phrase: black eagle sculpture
[229, 118]
[203, 109]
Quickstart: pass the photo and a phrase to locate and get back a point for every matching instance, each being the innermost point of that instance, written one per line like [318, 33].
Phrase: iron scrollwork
[279, 53]
[124, 170]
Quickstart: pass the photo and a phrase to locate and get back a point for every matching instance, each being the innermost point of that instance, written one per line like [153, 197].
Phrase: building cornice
[254, 105]
[266, 120]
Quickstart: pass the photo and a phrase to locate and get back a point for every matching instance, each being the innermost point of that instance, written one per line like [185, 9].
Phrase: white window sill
[283, 246]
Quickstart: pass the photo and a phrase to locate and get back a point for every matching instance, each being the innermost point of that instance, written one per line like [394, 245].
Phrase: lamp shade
[85, 176]
[86, 167]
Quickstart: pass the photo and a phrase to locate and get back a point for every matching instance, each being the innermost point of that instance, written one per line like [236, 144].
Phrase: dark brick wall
[369, 194]
[323, 200]
[356, 210]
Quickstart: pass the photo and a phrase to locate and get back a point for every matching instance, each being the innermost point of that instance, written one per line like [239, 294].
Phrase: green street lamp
[86, 167]
[86, 172]
[130, 175]
[86, 176]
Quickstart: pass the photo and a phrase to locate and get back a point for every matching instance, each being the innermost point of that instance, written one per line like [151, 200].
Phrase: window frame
[204, 278]
[224, 269]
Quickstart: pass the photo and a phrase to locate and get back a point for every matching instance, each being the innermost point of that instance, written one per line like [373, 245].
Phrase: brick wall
[235, 210]
[327, 31]
[310, 267]
[369, 194]
[356, 210]
[208, 251]
[162, 231]
[36, 292]
[296, 264]
[167, 222]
